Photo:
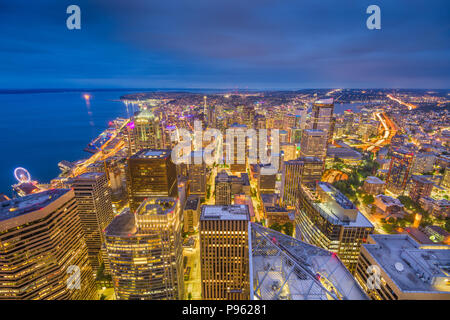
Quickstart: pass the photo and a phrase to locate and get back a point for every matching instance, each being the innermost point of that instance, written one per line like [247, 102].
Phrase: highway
[388, 132]
[410, 106]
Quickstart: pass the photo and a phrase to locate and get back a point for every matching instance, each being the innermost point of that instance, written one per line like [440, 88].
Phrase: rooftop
[16, 207]
[374, 180]
[227, 212]
[192, 203]
[410, 265]
[160, 206]
[152, 154]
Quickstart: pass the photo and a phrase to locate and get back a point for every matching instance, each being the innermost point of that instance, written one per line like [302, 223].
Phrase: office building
[374, 185]
[399, 170]
[43, 249]
[223, 188]
[197, 175]
[191, 214]
[406, 269]
[145, 251]
[93, 197]
[307, 170]
[144, 132]
[322, 118]
[421, 187]
[150, 173]
[327, 219]
[314, 144]
[224, 252]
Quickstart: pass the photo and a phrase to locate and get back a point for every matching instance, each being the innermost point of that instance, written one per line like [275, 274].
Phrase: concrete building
[421, 187]
[145, 251]
[405, 270]
[399, 170]
[306, 170]
[373, 185]
[191, 214]
[326, 218]
[314, 144]
[150, 173]
[93, 197]
[224, 252]
[43, 250]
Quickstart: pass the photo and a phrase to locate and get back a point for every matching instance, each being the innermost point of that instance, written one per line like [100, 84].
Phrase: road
[193, 285]
[100, 155]
[389, 131]
[410, 106]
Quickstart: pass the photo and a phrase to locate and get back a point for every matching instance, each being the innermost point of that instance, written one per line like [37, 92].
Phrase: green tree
[288, 228]
[368, 199]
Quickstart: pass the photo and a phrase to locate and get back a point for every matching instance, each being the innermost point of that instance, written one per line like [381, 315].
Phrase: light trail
[409, 105]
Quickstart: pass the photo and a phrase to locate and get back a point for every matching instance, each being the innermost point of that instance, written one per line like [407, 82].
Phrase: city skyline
[227, 151]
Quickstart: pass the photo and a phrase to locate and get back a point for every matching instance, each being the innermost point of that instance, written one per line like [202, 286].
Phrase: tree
[368, 199]
[276, 227]
[288, 228]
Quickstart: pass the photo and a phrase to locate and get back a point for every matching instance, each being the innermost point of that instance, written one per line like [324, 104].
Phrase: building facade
[44, 255]
[224, 252]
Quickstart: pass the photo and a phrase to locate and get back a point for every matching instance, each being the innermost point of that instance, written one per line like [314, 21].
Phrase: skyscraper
[224, 252]
[307, 170]
[145, 132]
[145, 251]
[399, 170]
[150, 173]
[327, 219]
[93, 197]
[197, 175]
[223, 188]
[322, 117]
[43, 253]
[314, 144]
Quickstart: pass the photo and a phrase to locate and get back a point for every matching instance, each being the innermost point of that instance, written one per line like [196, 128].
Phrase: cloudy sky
[289, 44]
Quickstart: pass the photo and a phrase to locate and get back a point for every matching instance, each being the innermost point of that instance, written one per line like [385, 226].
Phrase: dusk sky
[283, 44]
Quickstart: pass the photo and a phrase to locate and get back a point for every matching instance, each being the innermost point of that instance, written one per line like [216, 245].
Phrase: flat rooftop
[89, 175]
[227, 212]
[192, 203]
[20, 206]
[152, 154]
[122, 225]
[374, 180]
[405, 260]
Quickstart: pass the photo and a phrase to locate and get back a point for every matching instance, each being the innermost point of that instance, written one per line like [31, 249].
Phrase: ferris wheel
[22, 175]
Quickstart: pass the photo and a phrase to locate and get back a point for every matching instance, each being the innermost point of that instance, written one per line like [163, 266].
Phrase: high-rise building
[322, 117]
[150, 173]
[191, 214]
[43, 252]
[421, 187]
[197, 175]
[93, 197]
[396, 267]
[144, 131]
[223, 188]
[145, 251]
[327, 219]
[224, 252]
[399, 170]
[314, 144]
[307, 170]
